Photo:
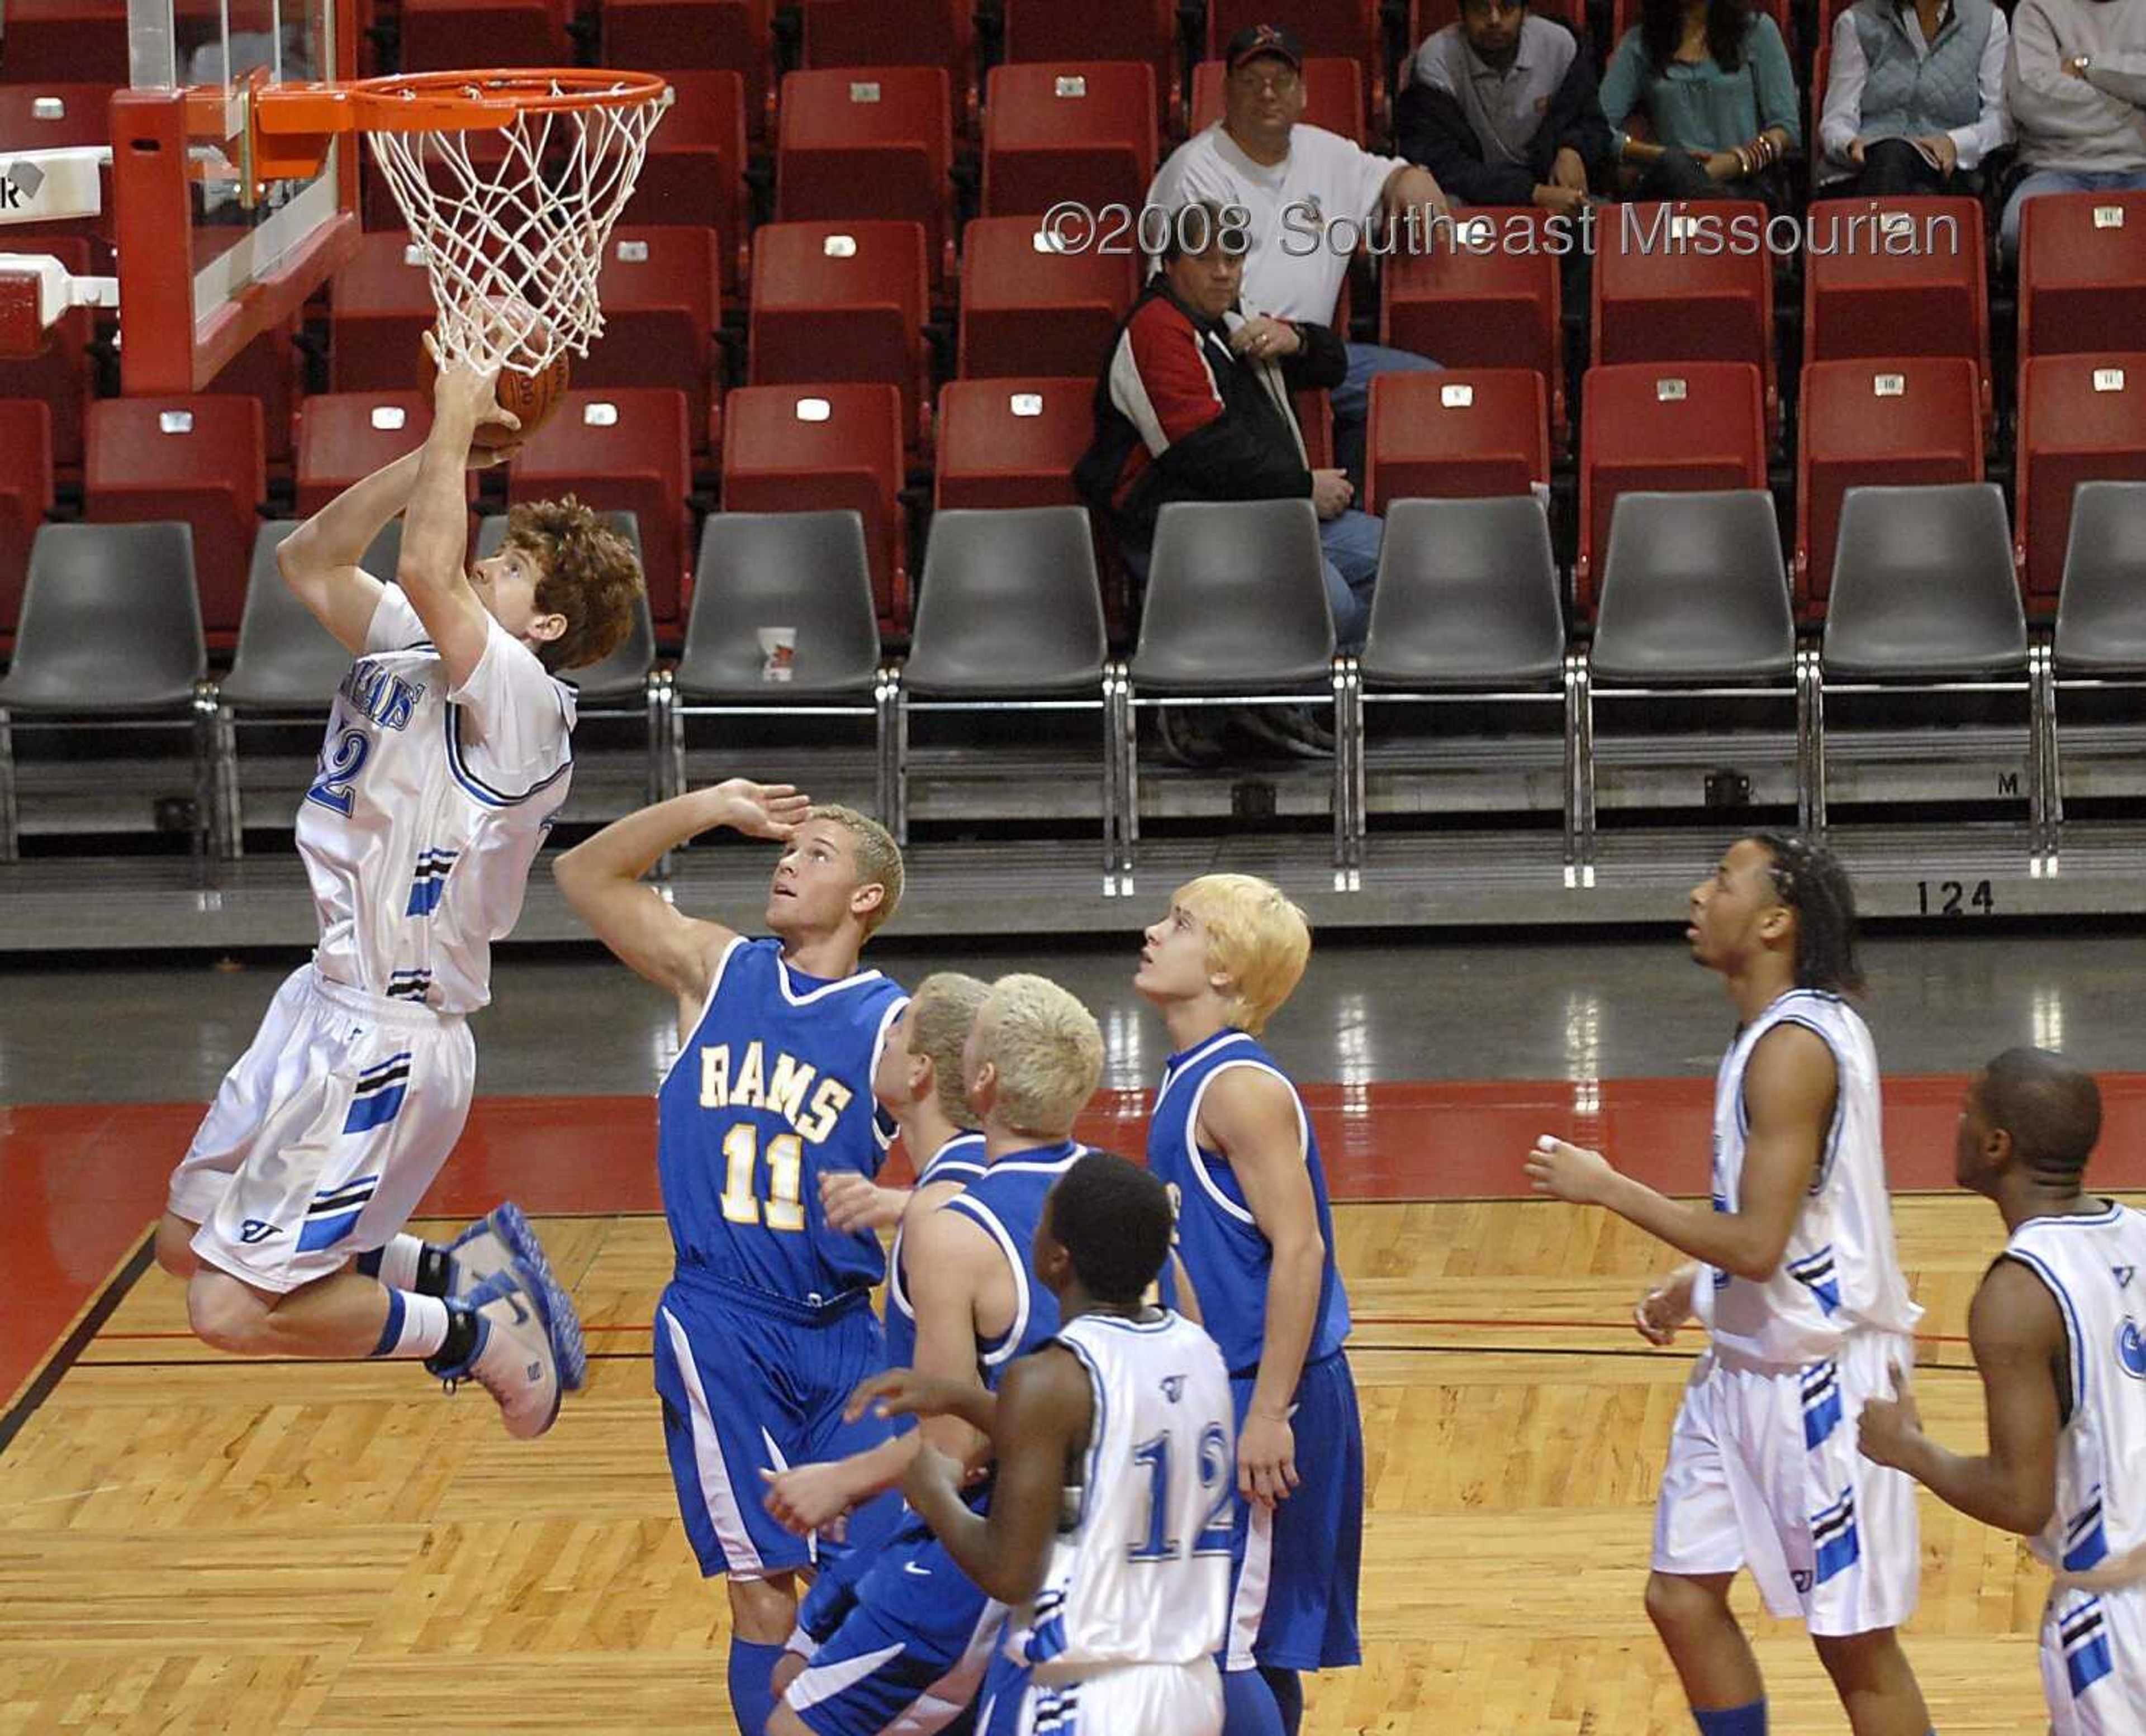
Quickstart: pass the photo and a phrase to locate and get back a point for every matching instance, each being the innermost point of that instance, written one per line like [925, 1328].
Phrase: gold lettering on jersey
[387, 699]
[782, 1090]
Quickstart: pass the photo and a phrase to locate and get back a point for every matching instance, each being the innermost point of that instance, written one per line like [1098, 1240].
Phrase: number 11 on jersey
[786, 1164]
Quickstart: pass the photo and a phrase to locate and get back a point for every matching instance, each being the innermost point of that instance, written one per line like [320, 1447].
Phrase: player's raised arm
[1251, 1117]
[601, 880]
[1789, 1093]
[1046, 1412]
[2018, 1341]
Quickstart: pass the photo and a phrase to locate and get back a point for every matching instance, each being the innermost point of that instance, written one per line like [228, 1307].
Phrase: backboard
[210, 255]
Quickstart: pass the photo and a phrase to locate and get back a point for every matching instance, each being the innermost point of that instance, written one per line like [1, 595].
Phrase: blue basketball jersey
[1007, 1199]
[1221, 1245]
[960, 1159]
[772, 1090]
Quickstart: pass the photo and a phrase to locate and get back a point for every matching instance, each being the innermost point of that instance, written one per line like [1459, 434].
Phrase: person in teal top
[1715, 82]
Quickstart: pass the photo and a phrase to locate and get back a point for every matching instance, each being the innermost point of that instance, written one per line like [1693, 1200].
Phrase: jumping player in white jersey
[1799, 1283]
[446, 754]
[1108, 1536]
[2056, 1332]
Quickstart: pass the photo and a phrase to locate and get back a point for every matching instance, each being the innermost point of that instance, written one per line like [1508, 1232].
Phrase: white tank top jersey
[427, 808]
[1840, 1272]
[2095, 1267]
[1140, 1572]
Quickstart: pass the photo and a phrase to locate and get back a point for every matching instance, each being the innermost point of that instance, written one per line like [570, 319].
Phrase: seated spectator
[1502, 107]
[1715, 82]
[1193, 404]
[2077, 89]
[1312, 195]
[1915, 98]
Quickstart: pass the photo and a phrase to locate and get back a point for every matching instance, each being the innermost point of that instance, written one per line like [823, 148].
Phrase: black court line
[69, 1352]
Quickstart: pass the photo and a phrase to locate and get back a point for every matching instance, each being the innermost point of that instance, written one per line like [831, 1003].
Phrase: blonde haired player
[1799, 1284]
[446, 754]
[2056, 1330]
[1230, 1139]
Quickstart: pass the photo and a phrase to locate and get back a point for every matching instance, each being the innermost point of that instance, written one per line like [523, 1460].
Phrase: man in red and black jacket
[1195, 406]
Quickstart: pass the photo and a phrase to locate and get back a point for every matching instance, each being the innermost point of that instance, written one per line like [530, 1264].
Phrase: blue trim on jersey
[2034, 1263]
[1094, 1435]
[2086, 1542]
[378, 1097]
[327, 1232]
[474, 785]
[2085, 1638]
[1821, 1393]
[1815, 1272]
[1832, 1530]
[1003, 1346]
[949, 1163]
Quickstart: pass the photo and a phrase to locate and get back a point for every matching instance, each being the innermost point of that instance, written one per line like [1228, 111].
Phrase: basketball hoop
[512, 235]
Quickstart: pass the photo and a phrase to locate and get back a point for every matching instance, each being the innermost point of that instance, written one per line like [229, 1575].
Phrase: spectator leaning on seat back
[1193, 404]
[1715, 82]
[1502, 106]
[1298, 182]
[2077, 90]
[1915, 98]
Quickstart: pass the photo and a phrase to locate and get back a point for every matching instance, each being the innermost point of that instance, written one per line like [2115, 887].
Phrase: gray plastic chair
[626, 683]
[2100, 638]
[1926, 599]
[110, 636]
[1694, 601]
[1236, 614]
[1008, 618]
[803, 574]
[1467, 608]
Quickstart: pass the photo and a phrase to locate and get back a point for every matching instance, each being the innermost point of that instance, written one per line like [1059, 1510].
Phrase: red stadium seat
[268, 370]
[346, 436]
[1495, 301]
[1012, 442]
[1885, 277]
[380, 306]
[694, 175]
[60, 378]
[1028, 307]
[1907, 419]
[660, 305]
[921, 33]
[872, 142]
[26, 496]
[730, 36]
[45, 116]
[1466, 432]
[1682, 425]
[1674, 282]
[1060, 129]
[2082, 271]
[843, 301]
[1333, 96]
[51, 40]
[2081, 419]
[623, 451]
[1141, 30]
[807, 448]
[440, 35]
[1314, 421]
[1342, 29]
[193, 458]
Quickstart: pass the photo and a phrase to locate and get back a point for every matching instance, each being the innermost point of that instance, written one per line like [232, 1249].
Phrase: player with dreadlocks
[1797, 1282]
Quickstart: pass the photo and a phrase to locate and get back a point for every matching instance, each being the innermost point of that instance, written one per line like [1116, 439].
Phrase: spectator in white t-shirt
[1311, 196]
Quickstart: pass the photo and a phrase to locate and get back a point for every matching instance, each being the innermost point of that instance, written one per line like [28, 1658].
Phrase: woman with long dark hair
[1715, 82]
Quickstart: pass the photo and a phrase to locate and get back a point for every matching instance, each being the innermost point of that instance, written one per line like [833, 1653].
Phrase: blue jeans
[1352, 400]
[1350, 543]
[2059, 180]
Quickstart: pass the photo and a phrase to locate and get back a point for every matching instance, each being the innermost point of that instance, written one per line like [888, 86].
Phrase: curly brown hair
[591, 576]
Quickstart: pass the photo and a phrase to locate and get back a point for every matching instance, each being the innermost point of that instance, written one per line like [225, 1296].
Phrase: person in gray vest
[1502, 106]
[2077, 88]
[1915, 99]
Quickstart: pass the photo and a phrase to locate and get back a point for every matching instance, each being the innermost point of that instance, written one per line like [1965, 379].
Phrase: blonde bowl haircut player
[1255, 937]
[1047, 1049]
[879, 857]
[941, 1013]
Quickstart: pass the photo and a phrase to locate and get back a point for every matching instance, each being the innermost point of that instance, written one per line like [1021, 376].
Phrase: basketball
[531, 395]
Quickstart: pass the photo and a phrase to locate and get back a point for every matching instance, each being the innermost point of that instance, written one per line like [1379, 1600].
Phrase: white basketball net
[512, 247]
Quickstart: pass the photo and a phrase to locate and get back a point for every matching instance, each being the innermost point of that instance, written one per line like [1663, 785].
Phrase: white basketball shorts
[326, 1132]
[1763, 1473]
[2094, 1661]
[1131, 1699]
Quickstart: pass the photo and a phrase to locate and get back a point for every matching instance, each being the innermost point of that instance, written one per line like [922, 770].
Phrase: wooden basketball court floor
[190, 1542]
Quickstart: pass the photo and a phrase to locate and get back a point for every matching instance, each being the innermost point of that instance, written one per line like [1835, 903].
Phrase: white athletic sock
[417, 1326]
[398, 1262]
